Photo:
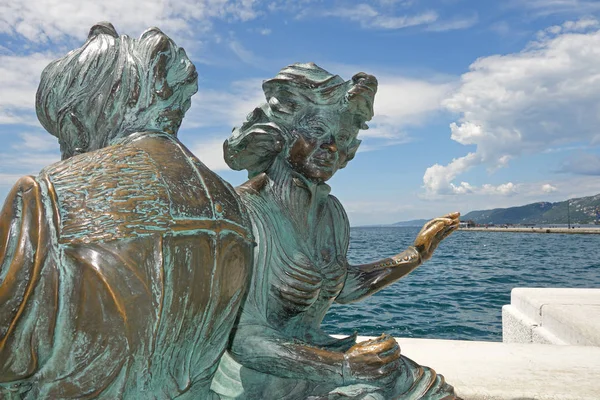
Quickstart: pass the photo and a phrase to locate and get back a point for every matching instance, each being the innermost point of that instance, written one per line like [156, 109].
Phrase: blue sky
[481, 104]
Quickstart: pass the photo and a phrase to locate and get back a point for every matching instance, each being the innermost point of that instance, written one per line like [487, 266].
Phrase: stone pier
[550, 350]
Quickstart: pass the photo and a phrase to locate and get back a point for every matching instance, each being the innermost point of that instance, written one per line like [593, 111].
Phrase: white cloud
[505, 189]
[548, 188]
[218, 108]
[36, 141]
[581, 25]
[27, 156]
[401, 102]
[544, 97]
[438, 178]
[245, 55]
[19, 78]
[210, 152]
[370, 18]
[43, 20]
[548, 7]
[404, 21]
[385, 17]
[462, 22]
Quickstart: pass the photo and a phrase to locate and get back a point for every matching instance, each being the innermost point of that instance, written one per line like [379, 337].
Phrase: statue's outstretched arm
[367, 279]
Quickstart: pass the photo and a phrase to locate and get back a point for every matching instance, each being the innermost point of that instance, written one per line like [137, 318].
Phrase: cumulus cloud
[505, 189]
[546, 96]
[19, 78]
[29, 153]
[400, 103]
[548, 188]
[210, 152]
[228, 107]
[40, 21]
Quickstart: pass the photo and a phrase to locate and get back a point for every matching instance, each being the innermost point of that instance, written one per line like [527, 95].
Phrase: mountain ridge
[581, 210]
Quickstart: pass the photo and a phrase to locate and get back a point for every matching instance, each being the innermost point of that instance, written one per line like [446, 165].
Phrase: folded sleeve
[28, 281]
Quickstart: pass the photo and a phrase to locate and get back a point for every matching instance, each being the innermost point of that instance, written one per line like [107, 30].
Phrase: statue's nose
[330, 145]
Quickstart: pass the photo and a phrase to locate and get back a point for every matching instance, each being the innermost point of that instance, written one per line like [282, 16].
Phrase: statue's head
[114, 86]
[311, 120]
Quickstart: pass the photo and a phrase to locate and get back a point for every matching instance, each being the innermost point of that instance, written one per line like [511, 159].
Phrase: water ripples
[459, 293]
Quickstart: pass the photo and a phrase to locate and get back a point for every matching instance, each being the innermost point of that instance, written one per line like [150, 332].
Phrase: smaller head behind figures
[311, 120]
[114, 86]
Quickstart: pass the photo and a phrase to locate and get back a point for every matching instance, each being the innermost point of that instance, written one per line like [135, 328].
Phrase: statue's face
[323, 138]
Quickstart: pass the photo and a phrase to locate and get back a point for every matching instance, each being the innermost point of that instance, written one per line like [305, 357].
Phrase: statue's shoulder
[253, 186]
[143, 184]
[336, 209]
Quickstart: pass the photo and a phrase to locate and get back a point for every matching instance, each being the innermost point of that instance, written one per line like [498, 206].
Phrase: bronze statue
[290, 147]
[122, 267]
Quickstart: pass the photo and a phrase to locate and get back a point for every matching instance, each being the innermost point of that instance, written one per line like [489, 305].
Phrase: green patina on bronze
[290, 147]
[127, 268]
[123, 266]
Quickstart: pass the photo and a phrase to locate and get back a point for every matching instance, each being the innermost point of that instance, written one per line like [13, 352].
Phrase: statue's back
[137, 258]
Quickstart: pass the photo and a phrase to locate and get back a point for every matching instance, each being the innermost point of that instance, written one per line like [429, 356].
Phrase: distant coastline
[587, 230]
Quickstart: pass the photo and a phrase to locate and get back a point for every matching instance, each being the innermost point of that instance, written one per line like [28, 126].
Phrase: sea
[459, 293]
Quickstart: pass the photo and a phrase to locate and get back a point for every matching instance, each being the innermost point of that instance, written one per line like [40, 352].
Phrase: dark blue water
[459, 293]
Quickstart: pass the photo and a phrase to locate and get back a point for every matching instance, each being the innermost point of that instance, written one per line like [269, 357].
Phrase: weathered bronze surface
[122, 267]
[290, 147]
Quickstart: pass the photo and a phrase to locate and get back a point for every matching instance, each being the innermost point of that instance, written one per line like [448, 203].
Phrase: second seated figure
[290, 147]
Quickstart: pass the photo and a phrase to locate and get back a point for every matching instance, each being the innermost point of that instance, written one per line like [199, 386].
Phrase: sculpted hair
[268, 129]
[114, 86]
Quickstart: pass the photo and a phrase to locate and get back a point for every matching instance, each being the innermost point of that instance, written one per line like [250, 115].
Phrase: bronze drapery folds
[290, 146]
[122, 266]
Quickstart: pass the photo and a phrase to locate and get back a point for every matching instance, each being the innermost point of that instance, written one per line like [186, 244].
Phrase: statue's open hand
[434, 232]
[373, 360]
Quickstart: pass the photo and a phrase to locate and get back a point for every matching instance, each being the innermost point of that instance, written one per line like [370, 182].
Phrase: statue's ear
[103, 28]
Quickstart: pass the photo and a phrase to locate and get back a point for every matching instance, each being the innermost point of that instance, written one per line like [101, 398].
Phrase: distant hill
[582, 211]
[414, 222]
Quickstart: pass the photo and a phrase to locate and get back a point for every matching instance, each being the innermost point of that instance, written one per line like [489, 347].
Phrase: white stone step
[557, 316]
[503, 371]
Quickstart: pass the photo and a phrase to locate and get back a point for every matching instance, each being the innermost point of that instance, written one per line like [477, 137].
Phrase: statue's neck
[302, 198]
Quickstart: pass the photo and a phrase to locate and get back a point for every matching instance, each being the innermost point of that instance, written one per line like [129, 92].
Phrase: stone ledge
[502, 371]
[531, 300]
[557, 316]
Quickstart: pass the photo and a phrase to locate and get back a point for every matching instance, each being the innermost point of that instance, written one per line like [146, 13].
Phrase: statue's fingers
[448, 221]
[439, 225]
[429, 224]
[452, 215]
[425, 238]
[447, 231]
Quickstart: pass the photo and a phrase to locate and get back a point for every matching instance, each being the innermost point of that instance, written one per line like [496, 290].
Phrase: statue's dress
[121, 273]
[300, 269]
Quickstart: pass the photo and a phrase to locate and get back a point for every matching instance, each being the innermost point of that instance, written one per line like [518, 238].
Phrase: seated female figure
[291, 146]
